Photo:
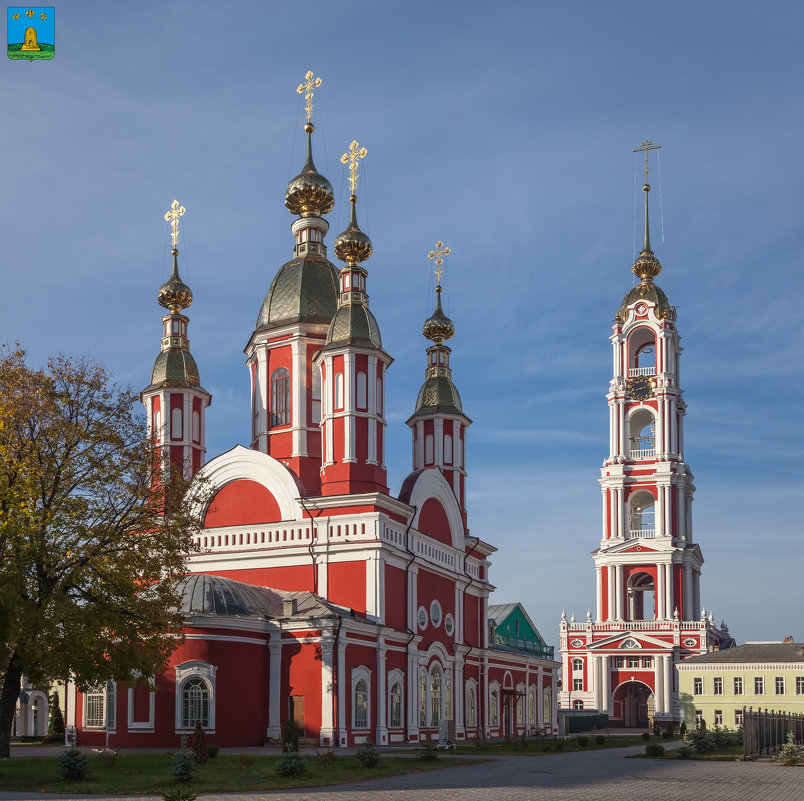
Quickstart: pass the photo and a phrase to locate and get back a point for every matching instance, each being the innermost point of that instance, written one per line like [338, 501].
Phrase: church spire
[647, 266]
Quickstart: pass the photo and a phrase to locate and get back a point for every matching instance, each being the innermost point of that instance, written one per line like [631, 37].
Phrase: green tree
[55, 725]
[92, 542]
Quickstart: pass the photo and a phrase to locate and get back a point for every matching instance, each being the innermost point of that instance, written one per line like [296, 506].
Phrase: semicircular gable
[427, 485]
[433, 521]
[242, 502]
[241, 467]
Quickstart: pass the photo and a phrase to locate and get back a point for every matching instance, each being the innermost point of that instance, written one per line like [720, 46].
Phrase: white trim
[361, 673]
[191, 670]
[432, 484]
[223, 638]
[142, 726]
[397, 676]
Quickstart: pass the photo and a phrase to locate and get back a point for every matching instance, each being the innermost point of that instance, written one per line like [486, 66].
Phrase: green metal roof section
[526, 638]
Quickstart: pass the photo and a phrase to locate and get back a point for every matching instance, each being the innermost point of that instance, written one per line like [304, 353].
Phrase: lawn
[537, 747]
[150, 773]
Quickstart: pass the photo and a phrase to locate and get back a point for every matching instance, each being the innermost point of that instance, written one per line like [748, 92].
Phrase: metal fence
[765, 732]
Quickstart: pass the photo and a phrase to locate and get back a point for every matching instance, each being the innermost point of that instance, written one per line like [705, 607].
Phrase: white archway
[430, 483]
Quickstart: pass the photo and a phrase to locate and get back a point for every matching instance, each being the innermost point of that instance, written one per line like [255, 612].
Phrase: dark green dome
[438, 395]
[354, 324]
[175, 368]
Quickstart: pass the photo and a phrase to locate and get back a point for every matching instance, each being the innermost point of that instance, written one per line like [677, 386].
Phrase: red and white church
[316, 593]
[621, 661]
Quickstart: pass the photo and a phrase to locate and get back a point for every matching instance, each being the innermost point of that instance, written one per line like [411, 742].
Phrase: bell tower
[648, 566]
[175, 402]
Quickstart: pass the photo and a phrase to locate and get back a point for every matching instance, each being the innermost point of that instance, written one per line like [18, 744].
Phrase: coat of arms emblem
[31, 32]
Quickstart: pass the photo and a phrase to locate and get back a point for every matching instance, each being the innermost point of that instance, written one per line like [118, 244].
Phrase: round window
[435, 613]
[449, 625]
[422, 618]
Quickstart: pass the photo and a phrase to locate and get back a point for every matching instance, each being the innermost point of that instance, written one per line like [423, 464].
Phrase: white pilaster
[599, 594]
[619, 592]
[275, 685]
[659, 595]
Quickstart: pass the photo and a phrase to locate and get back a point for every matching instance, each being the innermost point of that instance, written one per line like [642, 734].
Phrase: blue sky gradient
[505, 130]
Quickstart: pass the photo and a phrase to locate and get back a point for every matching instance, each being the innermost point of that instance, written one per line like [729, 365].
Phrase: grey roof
[438, 396]
[304, 290]
[752, 652]
[217, 596]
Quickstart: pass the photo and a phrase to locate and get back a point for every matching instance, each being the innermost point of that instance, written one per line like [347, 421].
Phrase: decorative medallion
[435, 613]
[640, 388]
[576, 643]
[641, 308]
[449, 624]
[690, 643]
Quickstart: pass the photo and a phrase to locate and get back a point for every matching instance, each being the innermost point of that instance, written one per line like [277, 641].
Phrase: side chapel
[317, 594]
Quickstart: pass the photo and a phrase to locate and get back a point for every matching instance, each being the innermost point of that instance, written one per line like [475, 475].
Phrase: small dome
[353, 246]
[201, 594]
[304, 290]
[175, 294]
[175, 367]
[309, 193]
[354, 325]
[438, 395]
[650, 293]
[438, 327]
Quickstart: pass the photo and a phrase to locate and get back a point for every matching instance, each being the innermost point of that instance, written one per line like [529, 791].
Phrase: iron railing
[765, 732]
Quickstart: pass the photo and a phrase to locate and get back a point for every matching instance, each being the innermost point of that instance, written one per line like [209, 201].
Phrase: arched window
[493, 709]
[577, 664]
[422, 699]
[379, 394]
[547, 706]
[470, 708]
[196, 427]
[642, 352]
[641, 597]
[435, 695]
[447, 448]
[361, 391]
[316, 397]
[338, 391]
[641, 435]
[175, 424]
[641, 518]
[395, 716]
[280, 397]
[361, 705]
[531, 708]
[194, 703]
[448, 695]
[157, 430]
[95, 700]
[520, 718]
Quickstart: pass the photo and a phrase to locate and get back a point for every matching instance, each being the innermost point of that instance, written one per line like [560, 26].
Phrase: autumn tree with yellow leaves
[92, 542]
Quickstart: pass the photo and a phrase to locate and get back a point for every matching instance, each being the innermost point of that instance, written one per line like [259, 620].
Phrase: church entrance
[630, 703]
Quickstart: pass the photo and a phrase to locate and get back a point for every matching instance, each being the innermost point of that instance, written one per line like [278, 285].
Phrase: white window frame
[533, 707]
[799, 685]
[577, 665]
[547, 709]
[717, 685]
[98, 693]
[470, 686]
[142, 725]
[436, 615]
[718, 719]
[397, 676]
[361, 673]
[697, 685]
[777, 682]
[435, 719]
[759, 681]
[494, 705]
[194, 669]
[739, 685]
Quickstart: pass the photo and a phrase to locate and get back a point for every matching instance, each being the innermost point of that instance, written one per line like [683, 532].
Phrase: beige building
[715, 687]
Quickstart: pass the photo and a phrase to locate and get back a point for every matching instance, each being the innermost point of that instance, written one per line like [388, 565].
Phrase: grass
[150, 773]
[15, 51]
[728, 754]
[537, 747]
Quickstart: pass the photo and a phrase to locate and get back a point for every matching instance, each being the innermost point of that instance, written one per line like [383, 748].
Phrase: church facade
[316, 594]
[620, 661]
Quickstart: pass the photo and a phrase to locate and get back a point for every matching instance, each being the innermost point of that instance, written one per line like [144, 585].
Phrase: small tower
[353, 365]
[438, 424]
[175, 402]
[292, 326]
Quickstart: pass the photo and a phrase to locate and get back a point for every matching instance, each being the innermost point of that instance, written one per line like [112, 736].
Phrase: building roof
[499, 612]
[751, 652]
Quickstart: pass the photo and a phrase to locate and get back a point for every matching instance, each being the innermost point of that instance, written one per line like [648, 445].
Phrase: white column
[458, 696]
[658, 680]
[344, 686]
[539, 697]
[622, 523]
[670, 606]
[619, 592]
[599, 594]
[613, 517]
[411, 695]
[696, 595]
[438, 442]
[673, 427]
[381, 736]
[623, 438]
[593, 672]
[327, 691]
[687, 594]
[349, 394]
[668, 683]
[681, 528]
[659, 594]
[605, 684]
[612, 426]
[298, 401]
[275, 685]
[603, 516]
[659, 512]
[610, 577]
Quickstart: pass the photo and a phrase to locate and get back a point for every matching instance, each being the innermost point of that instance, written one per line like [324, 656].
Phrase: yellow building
[715, 687]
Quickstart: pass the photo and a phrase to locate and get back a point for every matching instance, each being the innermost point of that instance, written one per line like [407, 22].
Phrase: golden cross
[351, 157]
[439, 254]
[172, 216]
[646, 146]
[309, 85]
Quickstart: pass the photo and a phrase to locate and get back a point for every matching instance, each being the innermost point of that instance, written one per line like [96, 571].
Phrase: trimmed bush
[600, 739]
[682, 729]
[685, 752]
[291, 763]
[73, 765]
[582, 741]
[427, 753]
[108, 757]
[213, 751]
[367, 755]
[645, 736]
[656, 730]
[654, 750]
[55, 725]
[182, 765]
[199, 744]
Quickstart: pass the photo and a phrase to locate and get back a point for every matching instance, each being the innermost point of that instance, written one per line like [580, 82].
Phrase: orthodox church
[621, 661]
[316, 594]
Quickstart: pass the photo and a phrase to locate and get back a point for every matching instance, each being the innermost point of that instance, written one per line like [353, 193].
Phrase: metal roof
[751, 652]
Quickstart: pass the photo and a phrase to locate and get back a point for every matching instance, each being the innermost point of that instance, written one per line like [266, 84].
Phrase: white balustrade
[644, 533]
[642, 453]
[635, 371]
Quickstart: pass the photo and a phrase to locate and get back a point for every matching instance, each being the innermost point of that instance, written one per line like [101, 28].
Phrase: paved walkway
[581, 776]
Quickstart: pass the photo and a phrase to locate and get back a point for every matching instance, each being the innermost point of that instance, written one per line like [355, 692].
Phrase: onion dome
[354, 324]
[309, 193]
[353, 246]
[175, 368]
[438, 395]
[438, 327]
[175, 294]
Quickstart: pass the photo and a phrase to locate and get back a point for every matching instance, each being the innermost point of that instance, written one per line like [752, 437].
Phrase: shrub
[55, 726]
[671, 729]
[199, 744]
[73, 764]
[600, 739]
[367, 755]
[646, 736]
[700, 741]
[291, 763]
[213, 751]
[108, 758]
[327, 758]
[427, 753]
[290, 736]
[685, 752]
[790, 754]
[654, 750]
[682, 729]
[665, 735]
[246, 760]
[182, 765]
[656, 731]
[179, 792]
[582, 741]
[559, 745]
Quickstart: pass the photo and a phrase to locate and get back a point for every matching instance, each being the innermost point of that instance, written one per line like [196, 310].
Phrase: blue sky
[505, 130]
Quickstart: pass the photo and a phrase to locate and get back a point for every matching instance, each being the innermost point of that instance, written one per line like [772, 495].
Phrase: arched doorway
[632, 700]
